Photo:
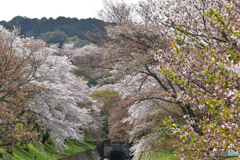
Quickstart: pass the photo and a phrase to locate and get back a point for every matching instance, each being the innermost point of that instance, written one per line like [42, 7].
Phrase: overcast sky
[51, 8]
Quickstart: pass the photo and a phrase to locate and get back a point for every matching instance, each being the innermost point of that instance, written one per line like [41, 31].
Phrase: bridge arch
[116, 150]
[112, 151]
[117, 155]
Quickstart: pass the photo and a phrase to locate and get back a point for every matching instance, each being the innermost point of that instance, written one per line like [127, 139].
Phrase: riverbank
[31, 152]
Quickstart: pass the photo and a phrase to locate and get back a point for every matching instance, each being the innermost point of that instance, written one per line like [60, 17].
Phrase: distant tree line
[55, 37]
[71, 26]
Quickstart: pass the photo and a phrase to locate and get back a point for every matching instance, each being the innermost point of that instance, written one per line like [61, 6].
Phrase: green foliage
[55, 37]
[109, 99]
[81, 43]
[90, 76]
[94, 45]
[106, 74]
[105, 95]
[81, 71]
[78, 43]
[75, 38]
[19, 153]
[92, 81]
[87, 73]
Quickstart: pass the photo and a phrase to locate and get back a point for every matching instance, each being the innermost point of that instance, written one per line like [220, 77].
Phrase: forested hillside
[71, 26]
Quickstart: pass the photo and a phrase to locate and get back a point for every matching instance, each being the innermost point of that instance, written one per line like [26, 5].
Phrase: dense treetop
[71, 26]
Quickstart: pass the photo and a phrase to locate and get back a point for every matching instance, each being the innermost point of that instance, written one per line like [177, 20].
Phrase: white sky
[51, 8]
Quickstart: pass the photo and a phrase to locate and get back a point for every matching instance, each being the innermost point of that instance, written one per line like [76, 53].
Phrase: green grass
[166, 156]
[20, 154]
[159, 156]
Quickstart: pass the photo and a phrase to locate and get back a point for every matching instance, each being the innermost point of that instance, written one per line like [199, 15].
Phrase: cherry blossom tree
[191, 49]
[64, 109]
[118, 130]
[19, 60]
[36, 83]
[87, 56]
[146, 111]
[113, 110]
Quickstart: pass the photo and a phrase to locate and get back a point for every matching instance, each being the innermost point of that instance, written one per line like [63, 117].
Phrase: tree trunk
[45, 138]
